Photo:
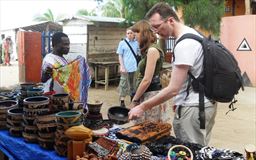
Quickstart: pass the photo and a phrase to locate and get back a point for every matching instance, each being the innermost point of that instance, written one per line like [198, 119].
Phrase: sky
[15, 13]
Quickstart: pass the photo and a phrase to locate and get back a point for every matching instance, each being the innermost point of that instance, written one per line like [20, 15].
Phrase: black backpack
[221, 77]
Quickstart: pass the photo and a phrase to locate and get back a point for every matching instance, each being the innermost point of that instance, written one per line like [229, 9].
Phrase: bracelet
[136, 102]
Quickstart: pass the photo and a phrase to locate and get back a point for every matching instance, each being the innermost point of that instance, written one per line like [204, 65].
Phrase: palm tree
[84, 12]
[48, 16]
[114, 8]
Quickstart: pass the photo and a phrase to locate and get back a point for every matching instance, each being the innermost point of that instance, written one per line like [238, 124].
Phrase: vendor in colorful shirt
[61, 45]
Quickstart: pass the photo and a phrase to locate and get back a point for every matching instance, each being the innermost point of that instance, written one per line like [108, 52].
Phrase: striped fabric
[75, 79]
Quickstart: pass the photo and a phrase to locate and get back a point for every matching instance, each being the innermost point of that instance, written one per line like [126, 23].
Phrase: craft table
[15, 148]
[106, 66]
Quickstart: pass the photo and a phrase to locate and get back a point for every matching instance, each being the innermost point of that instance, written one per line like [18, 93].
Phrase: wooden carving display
[145, 132]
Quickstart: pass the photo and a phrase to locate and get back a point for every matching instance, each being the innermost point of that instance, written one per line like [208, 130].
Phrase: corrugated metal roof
[97, 19]
[32, 24]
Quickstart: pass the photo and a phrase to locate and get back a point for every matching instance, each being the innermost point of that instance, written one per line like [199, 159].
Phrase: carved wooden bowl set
[32, 108]
[65, 120]
[14, 121]
[4, 106]
[46, 126]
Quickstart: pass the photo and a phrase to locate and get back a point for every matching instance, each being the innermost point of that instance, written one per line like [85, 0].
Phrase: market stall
[58, 129]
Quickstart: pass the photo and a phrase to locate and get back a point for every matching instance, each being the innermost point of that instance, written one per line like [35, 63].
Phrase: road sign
[244, 46]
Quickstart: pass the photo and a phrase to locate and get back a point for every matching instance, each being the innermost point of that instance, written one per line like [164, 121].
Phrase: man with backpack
[191, 123]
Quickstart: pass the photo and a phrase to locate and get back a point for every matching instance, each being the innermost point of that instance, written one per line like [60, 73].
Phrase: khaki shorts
[187, 126]
[126, 84]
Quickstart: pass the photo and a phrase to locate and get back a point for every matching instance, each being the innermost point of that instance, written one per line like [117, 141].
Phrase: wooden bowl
[16, 131]
[35, 92]
[46, 119]
[29, 120]
[94, 107]
[7, 104]
[30, 138]
[118, 115]
[69, 117]
[46, 143]
[26, 86]
[15, 114]
[36, 102]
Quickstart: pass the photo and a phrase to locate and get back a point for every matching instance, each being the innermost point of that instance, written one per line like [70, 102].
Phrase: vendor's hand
[136, 112]
[46, 74]
[48, 71]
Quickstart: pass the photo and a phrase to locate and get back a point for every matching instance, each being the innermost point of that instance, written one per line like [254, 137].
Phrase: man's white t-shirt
[189, 52]
[53, 61]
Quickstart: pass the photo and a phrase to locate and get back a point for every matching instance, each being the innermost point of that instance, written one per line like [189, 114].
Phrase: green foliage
[114, 8]
[205, 14]
[47, 16]
[84, 12]
[138, 8]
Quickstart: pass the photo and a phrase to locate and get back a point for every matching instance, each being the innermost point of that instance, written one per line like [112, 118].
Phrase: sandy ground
[232, 131]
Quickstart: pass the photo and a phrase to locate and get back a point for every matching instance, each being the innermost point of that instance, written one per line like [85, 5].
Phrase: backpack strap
[201, 102]
[190, 36]
[201, 87]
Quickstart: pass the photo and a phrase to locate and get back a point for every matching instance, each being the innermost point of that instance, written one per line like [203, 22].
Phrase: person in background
[128, 65]
[61, 46]
[1, 49]
[188, 57]
[7, 46]
[148, 73]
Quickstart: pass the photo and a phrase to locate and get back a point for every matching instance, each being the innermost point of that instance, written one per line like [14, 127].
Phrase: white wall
[78, 40]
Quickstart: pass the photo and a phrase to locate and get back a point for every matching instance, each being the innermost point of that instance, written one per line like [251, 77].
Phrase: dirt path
[231, 131]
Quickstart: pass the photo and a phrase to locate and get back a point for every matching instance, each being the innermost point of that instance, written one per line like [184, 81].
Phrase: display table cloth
[15, 148]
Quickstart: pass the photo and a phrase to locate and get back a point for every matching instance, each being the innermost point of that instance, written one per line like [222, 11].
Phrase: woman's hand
[133, 104]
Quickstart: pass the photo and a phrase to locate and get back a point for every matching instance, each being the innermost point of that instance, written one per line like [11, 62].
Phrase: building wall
[102, 45]
[103, 42]
[95, 41]
[238, 6]
[78, 40]
[238, 35]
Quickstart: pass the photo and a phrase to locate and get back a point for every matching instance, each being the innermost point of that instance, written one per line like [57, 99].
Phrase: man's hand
[136, 112]
[122, 69]
[48, 71]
